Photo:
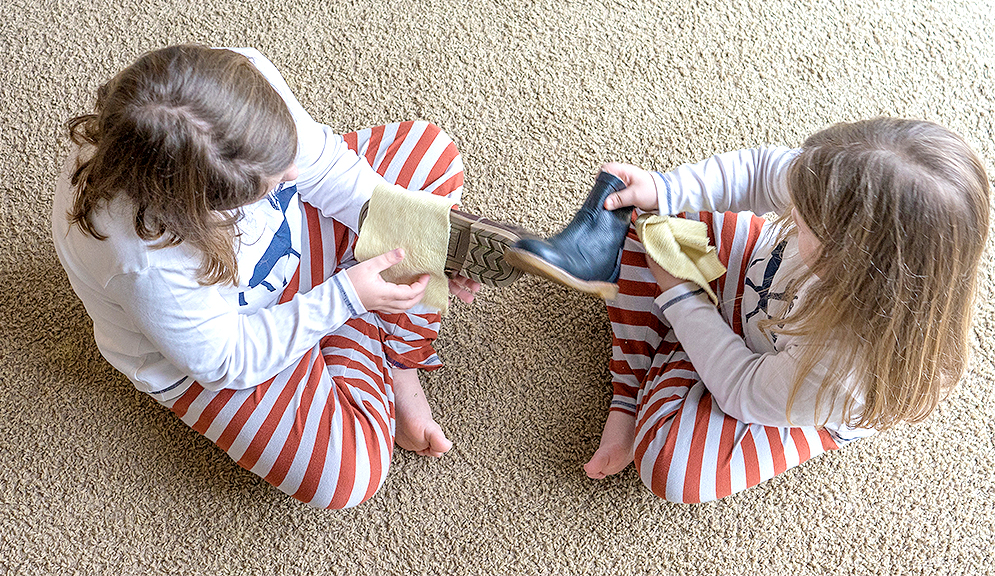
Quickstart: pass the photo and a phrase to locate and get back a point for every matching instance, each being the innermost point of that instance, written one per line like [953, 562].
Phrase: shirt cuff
[683, 292]
[623, 404]
[664, 199]
[349, 294]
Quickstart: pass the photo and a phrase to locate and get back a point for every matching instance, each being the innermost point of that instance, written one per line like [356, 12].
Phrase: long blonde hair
[900, 208]
[190, 134]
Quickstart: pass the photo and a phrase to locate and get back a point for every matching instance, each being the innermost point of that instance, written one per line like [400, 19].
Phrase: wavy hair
[189, 134]
[901, 210]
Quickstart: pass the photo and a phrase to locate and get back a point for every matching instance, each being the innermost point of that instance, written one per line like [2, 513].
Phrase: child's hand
[463, 288]
[640, 190]
[376, 293]
[665, 279]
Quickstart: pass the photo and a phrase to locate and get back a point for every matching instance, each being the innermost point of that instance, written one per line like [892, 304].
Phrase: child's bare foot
[616, 449]
[416, 430]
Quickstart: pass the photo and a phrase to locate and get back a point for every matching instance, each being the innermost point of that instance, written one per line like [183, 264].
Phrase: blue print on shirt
[763, 290]
[280, 246]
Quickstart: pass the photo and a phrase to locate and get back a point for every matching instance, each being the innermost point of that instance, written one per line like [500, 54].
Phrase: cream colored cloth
[418, 222]
[681, 248]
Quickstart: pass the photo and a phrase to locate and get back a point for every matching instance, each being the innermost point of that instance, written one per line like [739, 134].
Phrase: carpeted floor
[97, 479]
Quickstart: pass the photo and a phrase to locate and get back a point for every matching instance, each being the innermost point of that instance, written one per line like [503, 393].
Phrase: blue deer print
[764, 289]
[278, 248]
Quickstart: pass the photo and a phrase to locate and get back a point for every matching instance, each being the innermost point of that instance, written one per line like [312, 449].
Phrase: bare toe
[436, 440]
[607, 461]
[616, 449]
[595, 465]
[416, 430]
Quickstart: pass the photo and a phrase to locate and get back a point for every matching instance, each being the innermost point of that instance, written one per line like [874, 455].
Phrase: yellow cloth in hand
[681, 248]
[418, 222]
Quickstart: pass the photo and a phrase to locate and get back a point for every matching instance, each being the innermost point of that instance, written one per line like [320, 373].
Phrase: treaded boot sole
[532, 264]
[477, 247]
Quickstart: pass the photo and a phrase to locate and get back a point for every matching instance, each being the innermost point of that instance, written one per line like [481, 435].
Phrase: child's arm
[749, 386]
[196, 333]
[751, 179]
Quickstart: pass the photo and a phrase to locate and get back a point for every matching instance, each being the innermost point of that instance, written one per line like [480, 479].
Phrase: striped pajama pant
[322, 430]
[686, 448]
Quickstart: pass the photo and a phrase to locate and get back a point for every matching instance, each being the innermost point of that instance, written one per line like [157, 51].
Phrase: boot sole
[532, 264]
[477, 249]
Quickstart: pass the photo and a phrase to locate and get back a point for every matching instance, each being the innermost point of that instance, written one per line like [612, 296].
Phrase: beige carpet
[96, 479]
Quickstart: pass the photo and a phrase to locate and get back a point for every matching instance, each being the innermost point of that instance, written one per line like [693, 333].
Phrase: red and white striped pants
[686, 449]
[323, 429]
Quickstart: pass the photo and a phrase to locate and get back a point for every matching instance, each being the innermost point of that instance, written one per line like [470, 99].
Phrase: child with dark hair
[207, 223]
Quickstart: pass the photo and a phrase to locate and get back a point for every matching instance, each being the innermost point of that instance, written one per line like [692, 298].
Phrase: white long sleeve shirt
[152, 319]
[749, 377]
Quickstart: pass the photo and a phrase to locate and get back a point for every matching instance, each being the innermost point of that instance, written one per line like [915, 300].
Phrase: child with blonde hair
[848, 314]
[207, 223]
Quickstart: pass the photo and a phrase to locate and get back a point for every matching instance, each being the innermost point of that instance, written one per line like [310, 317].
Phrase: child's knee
[433, 130]
[673, 487]
[337, 493]
[344, 503]
[443, 142]
[678, 492]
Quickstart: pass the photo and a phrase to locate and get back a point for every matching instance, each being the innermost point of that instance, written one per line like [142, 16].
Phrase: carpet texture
[97, 479]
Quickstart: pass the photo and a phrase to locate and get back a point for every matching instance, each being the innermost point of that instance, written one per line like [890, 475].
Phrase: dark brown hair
[190, 134]
[901, 210]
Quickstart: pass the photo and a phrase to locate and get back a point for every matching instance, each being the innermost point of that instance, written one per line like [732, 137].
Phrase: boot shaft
[604, 185]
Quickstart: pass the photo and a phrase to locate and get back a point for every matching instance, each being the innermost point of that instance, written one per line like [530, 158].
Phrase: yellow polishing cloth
[418, 222]
[681, 248]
